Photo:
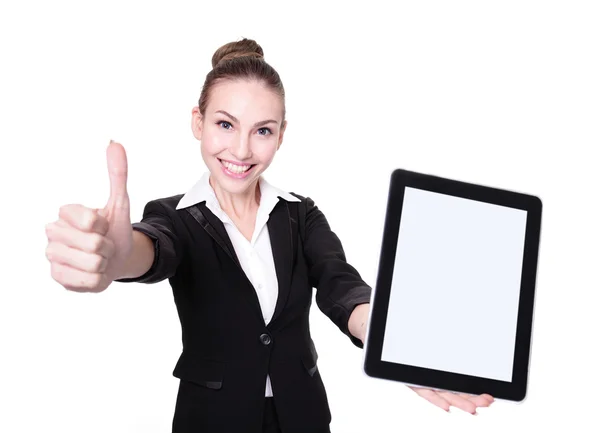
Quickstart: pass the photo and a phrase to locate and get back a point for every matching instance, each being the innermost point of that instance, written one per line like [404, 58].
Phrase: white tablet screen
[455, 288]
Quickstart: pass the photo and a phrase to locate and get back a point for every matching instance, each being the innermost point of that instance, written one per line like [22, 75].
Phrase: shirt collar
[203, 191]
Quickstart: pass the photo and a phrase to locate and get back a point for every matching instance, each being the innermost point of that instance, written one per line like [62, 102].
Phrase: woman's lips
[236, 170]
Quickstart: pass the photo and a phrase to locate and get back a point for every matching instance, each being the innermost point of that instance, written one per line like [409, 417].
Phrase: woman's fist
[88, 248]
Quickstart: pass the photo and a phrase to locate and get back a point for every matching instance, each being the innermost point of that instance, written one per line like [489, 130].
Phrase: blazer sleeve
[339, 286]
[158, 226]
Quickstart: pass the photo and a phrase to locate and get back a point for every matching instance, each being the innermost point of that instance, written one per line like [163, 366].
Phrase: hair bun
[232, 50]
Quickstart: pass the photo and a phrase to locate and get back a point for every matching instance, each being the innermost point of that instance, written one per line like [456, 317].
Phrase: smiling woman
[240, 119]
[242, 258]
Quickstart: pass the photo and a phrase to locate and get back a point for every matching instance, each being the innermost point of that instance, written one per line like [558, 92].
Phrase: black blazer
[227, 348]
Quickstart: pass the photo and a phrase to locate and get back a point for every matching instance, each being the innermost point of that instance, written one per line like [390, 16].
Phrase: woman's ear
[197, 123]
[281, 131]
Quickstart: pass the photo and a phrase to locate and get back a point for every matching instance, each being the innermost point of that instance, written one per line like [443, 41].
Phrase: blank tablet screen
[454, 295]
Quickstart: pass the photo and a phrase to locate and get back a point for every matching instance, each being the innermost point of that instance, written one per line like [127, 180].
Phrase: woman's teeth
[235, 168]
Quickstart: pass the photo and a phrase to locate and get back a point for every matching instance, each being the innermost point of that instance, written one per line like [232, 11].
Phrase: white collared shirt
[255, 256]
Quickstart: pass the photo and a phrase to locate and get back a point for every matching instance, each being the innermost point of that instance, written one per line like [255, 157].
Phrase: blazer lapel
[283, 233]
[215, 228]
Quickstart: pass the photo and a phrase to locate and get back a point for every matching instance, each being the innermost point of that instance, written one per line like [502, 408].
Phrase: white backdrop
[499, 93]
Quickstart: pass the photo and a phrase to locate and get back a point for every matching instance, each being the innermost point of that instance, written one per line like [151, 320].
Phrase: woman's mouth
[236, 170]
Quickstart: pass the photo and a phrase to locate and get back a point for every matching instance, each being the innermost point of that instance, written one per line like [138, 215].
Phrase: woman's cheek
[266, 151]
[216, 143]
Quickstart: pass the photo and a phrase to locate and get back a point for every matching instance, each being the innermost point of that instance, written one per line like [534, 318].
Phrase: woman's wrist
[357, 324]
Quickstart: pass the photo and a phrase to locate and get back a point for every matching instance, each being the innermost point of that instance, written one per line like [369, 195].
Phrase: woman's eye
[264, 131]
[224, 124]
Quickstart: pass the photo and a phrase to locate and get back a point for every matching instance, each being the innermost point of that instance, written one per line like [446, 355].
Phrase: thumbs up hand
[88, 248]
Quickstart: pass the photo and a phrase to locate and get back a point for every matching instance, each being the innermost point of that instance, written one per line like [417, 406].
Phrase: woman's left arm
[340, 288]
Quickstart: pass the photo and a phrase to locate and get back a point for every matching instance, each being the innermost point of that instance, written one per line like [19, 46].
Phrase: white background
[504, 94]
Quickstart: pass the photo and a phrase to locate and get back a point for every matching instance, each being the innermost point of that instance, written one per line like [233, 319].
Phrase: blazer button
[265, 339]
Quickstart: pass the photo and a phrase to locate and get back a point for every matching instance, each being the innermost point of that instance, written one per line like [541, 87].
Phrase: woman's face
[240, 132]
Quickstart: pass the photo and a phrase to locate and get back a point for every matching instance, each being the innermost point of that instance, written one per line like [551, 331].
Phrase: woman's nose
[241, 148]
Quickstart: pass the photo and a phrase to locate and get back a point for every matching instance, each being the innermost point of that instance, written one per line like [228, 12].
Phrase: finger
[459, 402]
[117, 171]
[59, 223]
[478, 400]
[77, 259]
[83, 218]
[488, 398]
[94, 243]
[432, 397]
[76, 280]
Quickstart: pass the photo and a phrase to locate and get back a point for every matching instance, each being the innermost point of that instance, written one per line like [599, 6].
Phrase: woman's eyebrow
[234, 119]
[264, 122]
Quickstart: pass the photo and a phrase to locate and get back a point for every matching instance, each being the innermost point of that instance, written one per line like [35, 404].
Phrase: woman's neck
[238, 206]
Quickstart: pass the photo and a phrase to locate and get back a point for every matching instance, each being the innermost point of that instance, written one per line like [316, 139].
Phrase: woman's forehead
[246, 100]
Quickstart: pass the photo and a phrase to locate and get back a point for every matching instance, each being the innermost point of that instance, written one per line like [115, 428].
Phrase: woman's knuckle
[94, 281]
[50, 252]
[89, 219]
[95, 243]
[57, 273]
[99, 263]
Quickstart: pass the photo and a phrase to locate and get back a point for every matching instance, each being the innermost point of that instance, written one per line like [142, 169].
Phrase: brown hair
[240, 60]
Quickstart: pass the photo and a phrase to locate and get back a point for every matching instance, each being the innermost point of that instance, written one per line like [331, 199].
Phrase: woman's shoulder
[307, 205]
[163, 205]
[306, 200]
[169, 202]
[298, 196]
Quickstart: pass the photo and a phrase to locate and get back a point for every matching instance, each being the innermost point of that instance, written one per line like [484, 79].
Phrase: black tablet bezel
[515, 390]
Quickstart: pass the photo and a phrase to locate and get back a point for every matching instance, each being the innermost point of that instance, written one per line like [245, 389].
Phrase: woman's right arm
[141, 258]
[157, 250]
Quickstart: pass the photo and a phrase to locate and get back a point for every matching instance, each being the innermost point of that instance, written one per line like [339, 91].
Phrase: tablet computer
[453, 303]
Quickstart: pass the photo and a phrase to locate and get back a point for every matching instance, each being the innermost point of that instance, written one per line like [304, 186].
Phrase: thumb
[116, 159]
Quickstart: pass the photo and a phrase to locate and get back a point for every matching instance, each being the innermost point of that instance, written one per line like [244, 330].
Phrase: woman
[241, 257]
